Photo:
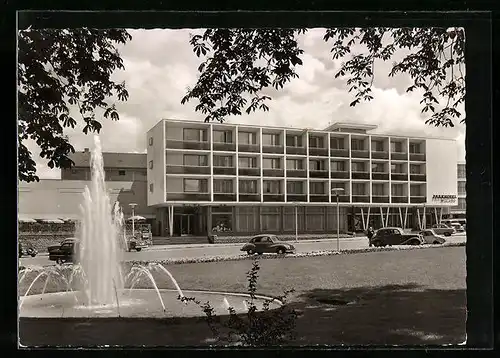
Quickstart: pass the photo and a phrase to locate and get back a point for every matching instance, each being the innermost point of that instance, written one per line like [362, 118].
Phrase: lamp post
[133, 205]
[337, 191]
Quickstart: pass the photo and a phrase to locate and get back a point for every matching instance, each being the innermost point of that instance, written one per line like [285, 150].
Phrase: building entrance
[189, 222]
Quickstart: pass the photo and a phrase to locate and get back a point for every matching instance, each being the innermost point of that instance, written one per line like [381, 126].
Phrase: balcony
[225, 147]
[318, 174]
[417, 177]
[249, 171]
[273, 172]
[342, 198]
[360, 198]
[320, 152]
[274, 197]
[380, 155]
[296, 197]
[250, 148]
[296, 173]
[399, 199]
[417, 199]
[188, 197]
[339, 152]
[399, 156]
[380, 198]
[181, 144]
[224, 197]
[318, 198]
[399, 176]
[360, 154]
[250, 197]
[417, 157]
[276, 149]
[224, 171]
[340, 175]
[180, 169]
[380, 176]
[360, 175]
[296, 150]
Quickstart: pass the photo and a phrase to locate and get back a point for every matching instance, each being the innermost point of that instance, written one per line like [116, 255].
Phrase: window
[247, 138]
[151, 187]
[271, 163]
[225, 161]
[338, 166]
[358, 189]
[461, 171]
[378, 189]
[195, 160]
[357, 144]
[222, 219]
[396, 147]
[462, 204]
[358, 167]
[317, 164]
[121, 172]
[378, 168]
[337, 143]
[377, 146]
[397, 190]
[247, 162]
[272, 187]
[248, 186]
[270, 139]
[415, 190]
[415, 148]
[270, 218]
[316, 142]
[415, 169]
[222, 136]
[294, 141]
[317, 188]
[294, 164]
[194, 135]
[397, 169]
[150, 141]
[461, 188]
[150, 164]
[223, 186]
[195, 185]
[295, 187]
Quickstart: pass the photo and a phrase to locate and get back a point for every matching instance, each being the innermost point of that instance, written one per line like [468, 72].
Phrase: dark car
[260, 244]
[27, 250]
[65, 252]
[430, 237]
[395, 236]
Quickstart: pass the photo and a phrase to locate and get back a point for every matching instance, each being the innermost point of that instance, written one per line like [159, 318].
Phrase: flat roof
[344, 125]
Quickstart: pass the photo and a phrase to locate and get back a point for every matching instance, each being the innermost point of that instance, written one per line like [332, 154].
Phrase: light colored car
[430, 237]
[260, 244]
[457, 226]
[443, 229]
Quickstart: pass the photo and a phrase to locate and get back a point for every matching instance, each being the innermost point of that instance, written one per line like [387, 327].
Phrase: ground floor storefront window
[222, 219]
[271, 218]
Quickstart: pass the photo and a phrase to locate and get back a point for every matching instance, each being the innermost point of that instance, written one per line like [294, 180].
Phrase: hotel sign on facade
[448, 199]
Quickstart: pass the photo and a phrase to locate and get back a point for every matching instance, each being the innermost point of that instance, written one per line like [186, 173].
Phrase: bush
[268, 327]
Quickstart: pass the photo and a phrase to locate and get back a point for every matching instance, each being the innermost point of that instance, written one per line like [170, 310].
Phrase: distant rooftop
[111, 159]
[350, 127]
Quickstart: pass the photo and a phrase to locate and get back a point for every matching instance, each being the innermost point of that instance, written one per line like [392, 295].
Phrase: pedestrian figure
[370, 234]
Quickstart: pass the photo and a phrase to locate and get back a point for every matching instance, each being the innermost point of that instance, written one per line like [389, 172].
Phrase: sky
[160, 65]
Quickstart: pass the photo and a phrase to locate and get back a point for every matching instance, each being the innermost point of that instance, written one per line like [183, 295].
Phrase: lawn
[403, 297]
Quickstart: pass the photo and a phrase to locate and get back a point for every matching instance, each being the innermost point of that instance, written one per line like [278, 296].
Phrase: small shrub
[267, 327]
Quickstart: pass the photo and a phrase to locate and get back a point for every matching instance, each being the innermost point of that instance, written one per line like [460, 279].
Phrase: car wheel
[58, 261]
[250, 252]
[377, 243]
[447, 234]
[280, 251]
[33, 255]
[414, 242]
[259, 253]
[436, 242]
[138, 249]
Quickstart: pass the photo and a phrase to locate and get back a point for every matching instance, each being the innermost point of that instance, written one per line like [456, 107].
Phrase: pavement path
[161, 252]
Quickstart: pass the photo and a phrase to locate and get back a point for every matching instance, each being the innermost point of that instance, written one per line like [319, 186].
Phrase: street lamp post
[337, 191]
[133, 205]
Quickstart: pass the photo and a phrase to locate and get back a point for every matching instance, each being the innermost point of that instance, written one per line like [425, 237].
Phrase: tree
[240, 63]
[58, 69]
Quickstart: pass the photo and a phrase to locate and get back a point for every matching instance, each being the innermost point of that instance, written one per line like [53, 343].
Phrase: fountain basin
[138, 303]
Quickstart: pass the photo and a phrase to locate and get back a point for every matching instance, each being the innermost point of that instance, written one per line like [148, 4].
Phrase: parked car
[430, 237]
[260, 244]
[67, 251]
[456, 225]
[27, 250]
[443, 229]
[136, 243]
[395, 236]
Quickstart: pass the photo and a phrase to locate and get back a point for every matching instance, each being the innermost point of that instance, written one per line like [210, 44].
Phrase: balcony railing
[318, 174]
[360, 198]
[296, 197]
[274, 197]
[399, 176]
[417, 177]
[340, 175]
[360, 153]
[227, 147]
[296, 150]
[181, 144]
[180, 169]
[224, 197]
[188, 197]
[251, 148]
[249, 171]
[321, 152]
[224, 171]
[380, 154]
[318, 198]
[417, 199]
[249, 197]
[380, 198]
[273, 172]
[342, 198]
[418, 157]
[296, 173]
[360, 175]
[399, 199]
[399, 156]
[339, 152]
[277, 149]
[380, 176]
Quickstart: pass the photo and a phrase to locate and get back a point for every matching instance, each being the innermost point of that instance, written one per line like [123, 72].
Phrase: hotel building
[459, 210]
[240, 179]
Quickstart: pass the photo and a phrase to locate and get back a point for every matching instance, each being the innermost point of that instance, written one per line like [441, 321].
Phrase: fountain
[96, 285]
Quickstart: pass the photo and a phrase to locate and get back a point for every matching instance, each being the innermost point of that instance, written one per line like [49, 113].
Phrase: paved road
[201, 250]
